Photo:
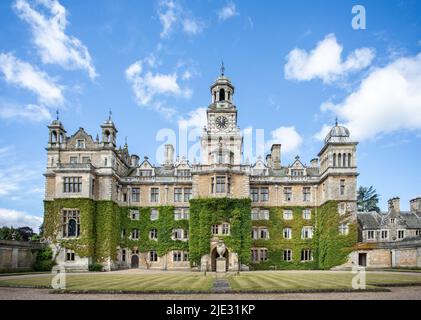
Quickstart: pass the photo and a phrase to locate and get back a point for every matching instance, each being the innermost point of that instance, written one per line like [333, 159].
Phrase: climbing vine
[164, 226]
[85, 243]
[104, 226]
[204, 212]
[329, 248]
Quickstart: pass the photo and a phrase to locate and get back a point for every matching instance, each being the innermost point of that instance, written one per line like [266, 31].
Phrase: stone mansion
[103, 204]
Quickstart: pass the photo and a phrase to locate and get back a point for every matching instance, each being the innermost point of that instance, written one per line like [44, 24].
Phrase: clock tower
[221, 140]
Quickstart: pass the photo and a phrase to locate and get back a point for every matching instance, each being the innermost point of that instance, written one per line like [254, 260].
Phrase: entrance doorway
[215, 255]
[135, 261]
[362, 259]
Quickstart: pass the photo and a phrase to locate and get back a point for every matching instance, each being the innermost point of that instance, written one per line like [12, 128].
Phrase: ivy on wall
[277, 243]
[328, 246]
[84, 245]
[102, 223]
[332, 247]
[204, 212]
[164, 226]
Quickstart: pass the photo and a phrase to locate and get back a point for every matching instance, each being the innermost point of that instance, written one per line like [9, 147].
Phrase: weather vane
[57, 114]
[336, 121]
[222, 68]
[109, 115]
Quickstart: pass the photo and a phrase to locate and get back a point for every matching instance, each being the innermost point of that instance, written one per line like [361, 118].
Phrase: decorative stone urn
[221, 248]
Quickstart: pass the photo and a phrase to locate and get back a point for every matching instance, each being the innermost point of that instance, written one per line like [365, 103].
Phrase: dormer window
[297, 172]
[145, 173]
[392, 221]
[80, 144]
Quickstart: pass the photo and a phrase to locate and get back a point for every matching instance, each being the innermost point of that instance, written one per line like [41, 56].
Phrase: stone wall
[17, 255]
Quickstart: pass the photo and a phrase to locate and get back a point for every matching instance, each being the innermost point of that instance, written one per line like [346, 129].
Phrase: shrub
[95, 267]
[44, 260]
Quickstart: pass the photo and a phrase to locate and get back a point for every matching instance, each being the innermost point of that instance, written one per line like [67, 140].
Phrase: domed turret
[338, 134]
[222, 90]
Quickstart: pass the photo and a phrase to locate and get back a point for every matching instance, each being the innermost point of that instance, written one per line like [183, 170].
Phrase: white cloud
[325, 61]
[18, 179]
[17, 219]
[147, 86]
[173, 17]
[387, 100]
[50, 38]
[30, 112]
[228, 11]
[24, 75]
[192, 27]
[167, 16]
[288, 137]
[195, 119]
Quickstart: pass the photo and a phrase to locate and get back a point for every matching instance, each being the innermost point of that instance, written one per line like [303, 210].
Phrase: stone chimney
[395, 204]
[275, 152]
[134, 160]
[415, 204]
[269, 160]
[169, 155]
[314, 163]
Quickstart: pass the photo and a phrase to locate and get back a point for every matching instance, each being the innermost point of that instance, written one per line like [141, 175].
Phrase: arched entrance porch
[134, 261]
[214, 256]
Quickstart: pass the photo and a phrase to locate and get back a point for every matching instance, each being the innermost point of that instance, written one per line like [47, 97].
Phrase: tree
[367, 199]
[26, 233]
[11, 233]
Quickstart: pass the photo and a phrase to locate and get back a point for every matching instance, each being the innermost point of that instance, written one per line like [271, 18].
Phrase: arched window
[107, 136]
[344, 160]
[349, 160]
[334, 159]
[221, 95]
[339, 160]
[53, 137]
[72, 228]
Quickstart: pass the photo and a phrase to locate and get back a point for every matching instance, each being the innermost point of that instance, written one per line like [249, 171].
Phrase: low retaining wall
[17, 255]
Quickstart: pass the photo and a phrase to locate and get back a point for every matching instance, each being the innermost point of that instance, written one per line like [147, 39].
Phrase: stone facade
[82, 167]
[390, 239]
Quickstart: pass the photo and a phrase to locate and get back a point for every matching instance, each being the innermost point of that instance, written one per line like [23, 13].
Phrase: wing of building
[104, 205]
[390, 239]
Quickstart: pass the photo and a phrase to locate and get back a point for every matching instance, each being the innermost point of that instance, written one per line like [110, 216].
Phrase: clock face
[221, 122]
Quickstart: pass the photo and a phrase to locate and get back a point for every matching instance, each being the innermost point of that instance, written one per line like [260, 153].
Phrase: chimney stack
[275, 152]
[269, 160]
[134, 160]
[415, 204]
[169, 155]
[314, 163]
[395, 204]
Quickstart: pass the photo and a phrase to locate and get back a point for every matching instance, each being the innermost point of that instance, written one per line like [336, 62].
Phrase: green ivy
[204, 212]
[329, 248]
[102, 223]
[164, 226]
[332, 247]
[84, 245]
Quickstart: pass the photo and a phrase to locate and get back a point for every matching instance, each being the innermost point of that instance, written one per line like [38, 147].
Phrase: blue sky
[296, 65]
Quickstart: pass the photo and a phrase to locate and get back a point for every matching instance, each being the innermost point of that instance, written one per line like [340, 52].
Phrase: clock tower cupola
[222, 140]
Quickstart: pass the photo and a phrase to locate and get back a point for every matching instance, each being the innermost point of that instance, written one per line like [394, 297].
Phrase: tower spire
[336, 121]
[109, 115]
[57, 114]
[222, 68]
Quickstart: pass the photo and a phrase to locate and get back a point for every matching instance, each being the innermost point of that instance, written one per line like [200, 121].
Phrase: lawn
[260, 281]
[314, 280]
[157, 282]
